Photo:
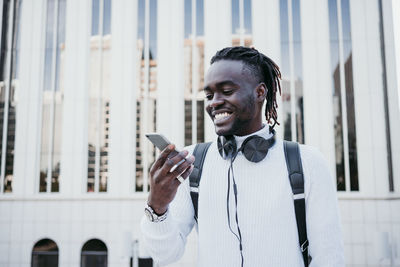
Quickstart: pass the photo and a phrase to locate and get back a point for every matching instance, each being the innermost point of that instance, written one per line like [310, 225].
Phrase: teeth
[221, 115]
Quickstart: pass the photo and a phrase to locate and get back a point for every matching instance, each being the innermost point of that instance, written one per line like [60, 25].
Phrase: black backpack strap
[199, 153]
[295, 170]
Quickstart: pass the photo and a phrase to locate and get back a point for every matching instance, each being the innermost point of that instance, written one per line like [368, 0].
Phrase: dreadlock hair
[263, 68]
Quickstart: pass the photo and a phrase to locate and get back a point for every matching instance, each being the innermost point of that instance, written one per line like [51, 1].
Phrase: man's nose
[216, 101]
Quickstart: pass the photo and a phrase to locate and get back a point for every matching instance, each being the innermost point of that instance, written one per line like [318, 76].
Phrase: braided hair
[263, 68]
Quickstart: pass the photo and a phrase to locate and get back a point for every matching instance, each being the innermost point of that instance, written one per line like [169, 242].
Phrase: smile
[221, 116]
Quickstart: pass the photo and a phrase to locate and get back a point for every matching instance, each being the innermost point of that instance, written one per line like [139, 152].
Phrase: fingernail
[171, 146]
[191, 158]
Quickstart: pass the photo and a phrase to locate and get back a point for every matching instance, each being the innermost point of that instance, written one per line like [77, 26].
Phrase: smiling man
[246, 214]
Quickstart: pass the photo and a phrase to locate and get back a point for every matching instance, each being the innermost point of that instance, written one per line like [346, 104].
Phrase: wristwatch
[152, 216]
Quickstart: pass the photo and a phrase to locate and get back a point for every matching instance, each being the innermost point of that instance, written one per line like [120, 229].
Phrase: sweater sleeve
[323, 221]
[165, 241]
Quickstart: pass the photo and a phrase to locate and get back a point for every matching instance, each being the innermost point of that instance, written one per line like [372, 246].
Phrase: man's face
[233, 98]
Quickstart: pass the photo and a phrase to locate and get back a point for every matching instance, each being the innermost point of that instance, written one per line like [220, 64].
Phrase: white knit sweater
[265, 211]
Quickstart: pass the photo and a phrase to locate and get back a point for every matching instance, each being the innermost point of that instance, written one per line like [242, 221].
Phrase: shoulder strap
[295, 170]
[199, 153]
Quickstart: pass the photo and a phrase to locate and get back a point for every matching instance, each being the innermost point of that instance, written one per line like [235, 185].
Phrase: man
[245, 209]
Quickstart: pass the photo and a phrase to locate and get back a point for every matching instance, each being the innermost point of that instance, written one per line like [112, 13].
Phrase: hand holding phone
[168, 171]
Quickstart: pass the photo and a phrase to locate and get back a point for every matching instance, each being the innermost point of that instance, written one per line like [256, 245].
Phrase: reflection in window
[52, 97]
[45, 254]
[194, 71]
[94, 254]
[147, 90]
[99, 96]
[8, 88]
[241, 23]
[198, 120]
[343, 95]
[292, 73]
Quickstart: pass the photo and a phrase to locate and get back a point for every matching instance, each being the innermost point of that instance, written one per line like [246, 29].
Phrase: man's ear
[261, 91]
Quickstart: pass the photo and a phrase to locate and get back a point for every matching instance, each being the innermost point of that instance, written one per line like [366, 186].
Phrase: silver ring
[180, 179]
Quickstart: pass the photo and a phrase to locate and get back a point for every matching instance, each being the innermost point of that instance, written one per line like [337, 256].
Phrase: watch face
[149, 214]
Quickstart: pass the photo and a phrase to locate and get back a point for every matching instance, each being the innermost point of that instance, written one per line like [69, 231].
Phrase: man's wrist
[157, 210]
[153, 216]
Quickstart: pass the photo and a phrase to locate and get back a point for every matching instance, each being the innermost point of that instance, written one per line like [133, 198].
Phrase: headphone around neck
[254, 148]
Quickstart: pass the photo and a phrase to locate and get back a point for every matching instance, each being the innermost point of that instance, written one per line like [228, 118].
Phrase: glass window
[94, 254]
[99, 96]
[52, 105]
[146, 91]
[8, 89]
[241, 23]
[343, 95]
[291, 68]
[194, 71]
[45, 254]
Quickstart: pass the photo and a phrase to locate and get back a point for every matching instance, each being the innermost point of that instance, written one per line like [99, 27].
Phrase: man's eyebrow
[227, 82]
[207, 88]
[221, 84]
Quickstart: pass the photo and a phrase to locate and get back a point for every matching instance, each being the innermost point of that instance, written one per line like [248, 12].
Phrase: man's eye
[209, 96]
[227, 92]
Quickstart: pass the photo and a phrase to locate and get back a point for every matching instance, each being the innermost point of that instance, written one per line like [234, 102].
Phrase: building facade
[81, 82]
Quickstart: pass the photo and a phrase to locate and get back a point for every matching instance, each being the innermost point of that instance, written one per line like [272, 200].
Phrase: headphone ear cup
[255, 148]
[226, 146]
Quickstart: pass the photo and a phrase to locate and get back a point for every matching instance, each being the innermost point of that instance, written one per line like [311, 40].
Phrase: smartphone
[161, 142]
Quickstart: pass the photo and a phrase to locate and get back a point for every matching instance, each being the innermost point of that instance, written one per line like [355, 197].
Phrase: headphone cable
[239, 235]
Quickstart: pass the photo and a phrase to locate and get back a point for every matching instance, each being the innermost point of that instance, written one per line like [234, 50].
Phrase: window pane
[43, 260]
[292, 73]
[147, 93]
[337, 100]
[52, 106]
[58, 97]
[45, 151]
[99, 96]
[298, 71]
[235, 17]
[237, 32]
[348, 68]
[194, 73]
[285, 69]
[94, 260]
[199, 120]
[94, 254]
[95, 16]
[45, 254]
[8, 87]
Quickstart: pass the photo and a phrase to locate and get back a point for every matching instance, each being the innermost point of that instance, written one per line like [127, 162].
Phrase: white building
[81, 81]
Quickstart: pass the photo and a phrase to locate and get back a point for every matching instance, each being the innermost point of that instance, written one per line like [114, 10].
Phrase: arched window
[94, 254]
[45, 253]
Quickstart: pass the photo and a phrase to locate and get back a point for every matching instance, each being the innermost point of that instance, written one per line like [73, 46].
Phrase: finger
[185, 174]
[183, 167]
[162, 157]
[171, 162]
